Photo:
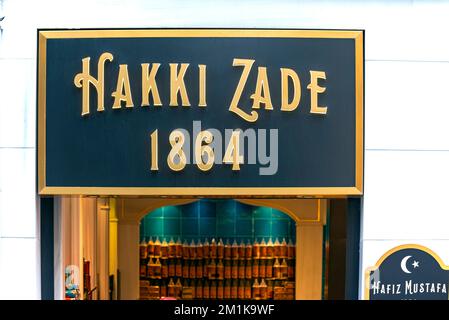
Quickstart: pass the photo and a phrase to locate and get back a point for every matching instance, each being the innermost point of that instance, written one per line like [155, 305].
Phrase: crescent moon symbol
[404, 264]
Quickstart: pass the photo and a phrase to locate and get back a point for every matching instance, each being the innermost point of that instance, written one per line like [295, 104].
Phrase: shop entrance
[217, 249]
[104, 160]
[99, 242]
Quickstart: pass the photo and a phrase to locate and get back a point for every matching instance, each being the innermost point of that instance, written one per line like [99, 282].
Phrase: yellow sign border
[396, 249]
[264, 192]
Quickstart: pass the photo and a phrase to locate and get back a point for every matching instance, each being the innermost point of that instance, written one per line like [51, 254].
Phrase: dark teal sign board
[409, 272]
[116, 106]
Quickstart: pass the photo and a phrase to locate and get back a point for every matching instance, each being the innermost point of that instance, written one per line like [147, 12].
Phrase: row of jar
[230, 269]
[259, 289]
[200, 250]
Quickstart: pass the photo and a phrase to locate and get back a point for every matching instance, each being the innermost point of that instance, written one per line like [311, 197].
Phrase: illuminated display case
[217, 249]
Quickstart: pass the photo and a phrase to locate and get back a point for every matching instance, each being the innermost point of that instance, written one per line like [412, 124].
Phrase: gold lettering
[84, 79]
[122, 84]
[232, 154]
[177, 85]
[285, 75]
[154, 151]
[200, 149]
[262, 86]
[246, 64]
[149, 84]
[202, 93]
[177, 140]
[315, 89]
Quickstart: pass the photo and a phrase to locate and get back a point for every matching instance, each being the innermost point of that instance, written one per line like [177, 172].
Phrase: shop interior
[115, 248]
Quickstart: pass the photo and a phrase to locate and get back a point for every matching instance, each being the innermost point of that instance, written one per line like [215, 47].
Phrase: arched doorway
[308, 215]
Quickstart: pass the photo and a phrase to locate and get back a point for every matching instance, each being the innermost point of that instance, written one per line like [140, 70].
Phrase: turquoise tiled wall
[227, 219]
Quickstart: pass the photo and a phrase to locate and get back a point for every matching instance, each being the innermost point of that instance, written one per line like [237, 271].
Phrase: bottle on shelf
[235, 269]
[247, 289]
[284, 269]
[235, 250]
[270, 249]
[164, 249]
[171, 268]
[255, 273]
[157, 248]
[270, 289]
[171, 248]
[248, 269]
[220, 269]
[220, 249]
[263, 249]
[241, 250]
[192, 249]
[220, 290]
[241, 289]
[157, 268]
[171, 289]
[150, 268]
[178, 288]
[199, 250]
[163, 288]
[256, 250]
[277, 269]
[212, 270]
[150, 247]
[199, 269]
[185, 250]
[256, 290]
[213, 249]
[227, 289]
[277, 248]
[234, 288]
[206, 290]
[206, 249]
[185, 269]
[192, 269]
[269, 268]
[228, 269]
[179, 248]
[262, 268]
[206, 267]
[213, 290]
[178, 268]
[199, 288]
[248, 250]
[263, 290]
[284, 249]
[241, 269]
[227, 250]
[164, 269]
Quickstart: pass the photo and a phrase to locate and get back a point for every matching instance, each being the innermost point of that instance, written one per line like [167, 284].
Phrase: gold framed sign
[201, 112]
[408, 272]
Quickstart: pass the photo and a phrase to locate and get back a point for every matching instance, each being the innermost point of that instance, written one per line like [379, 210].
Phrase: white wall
[407, 145]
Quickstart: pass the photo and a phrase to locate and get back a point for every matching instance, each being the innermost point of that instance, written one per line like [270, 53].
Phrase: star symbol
[415, 264]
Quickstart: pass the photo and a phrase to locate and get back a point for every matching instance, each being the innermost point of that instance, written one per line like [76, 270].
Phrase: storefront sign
[200, 112]
[408, 272]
